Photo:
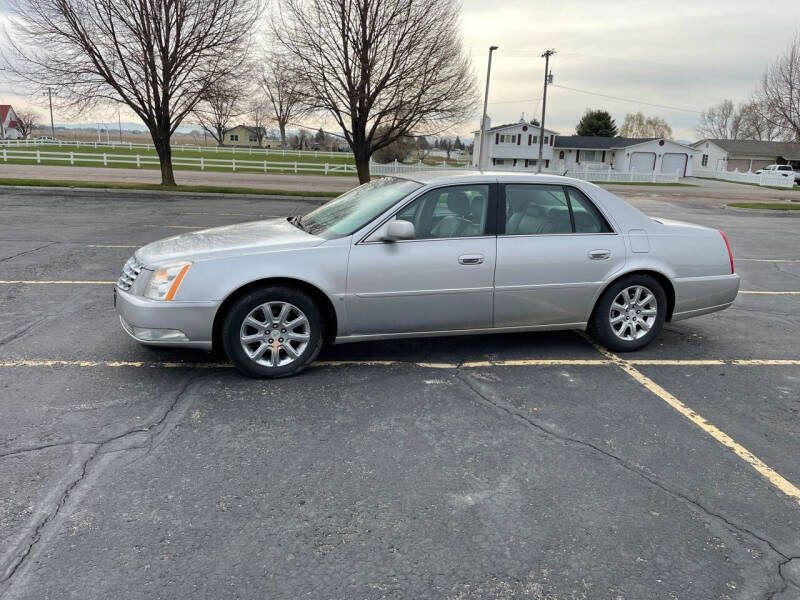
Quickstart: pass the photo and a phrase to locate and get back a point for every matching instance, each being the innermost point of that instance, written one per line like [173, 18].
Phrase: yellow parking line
[776, 479]
[773, 293]
[53, 282]
[535, 362]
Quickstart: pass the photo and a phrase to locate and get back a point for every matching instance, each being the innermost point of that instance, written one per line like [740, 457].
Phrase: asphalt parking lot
[508, 466]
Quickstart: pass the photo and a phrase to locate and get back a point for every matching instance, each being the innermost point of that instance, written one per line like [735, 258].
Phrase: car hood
[230, 240]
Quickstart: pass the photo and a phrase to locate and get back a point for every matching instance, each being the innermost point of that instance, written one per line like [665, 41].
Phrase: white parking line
[769, 260]
[53, 282]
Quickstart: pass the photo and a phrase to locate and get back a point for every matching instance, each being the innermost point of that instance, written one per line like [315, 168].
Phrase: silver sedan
[426, 254]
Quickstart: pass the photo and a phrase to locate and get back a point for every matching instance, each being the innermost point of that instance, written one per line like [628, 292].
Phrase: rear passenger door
[555, 249]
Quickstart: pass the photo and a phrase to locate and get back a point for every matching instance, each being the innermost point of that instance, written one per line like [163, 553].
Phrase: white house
[744, 155]
[622, 154]
[8, 123]
[514, 146]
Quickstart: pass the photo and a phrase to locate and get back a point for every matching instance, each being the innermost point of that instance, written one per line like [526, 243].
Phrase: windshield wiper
[297, 222]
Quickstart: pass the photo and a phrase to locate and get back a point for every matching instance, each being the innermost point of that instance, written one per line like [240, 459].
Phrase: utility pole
[119, 123]
[548, 77]
[2, 125]
[485, 102]
[52, 125]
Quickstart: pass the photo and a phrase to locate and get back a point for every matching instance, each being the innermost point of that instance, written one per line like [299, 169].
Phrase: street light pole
[485, 102]
[2, 124]
[547, 54]
[52, 125]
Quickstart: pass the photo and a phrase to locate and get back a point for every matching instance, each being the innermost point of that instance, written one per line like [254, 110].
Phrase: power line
[688, 110]
[539, 99]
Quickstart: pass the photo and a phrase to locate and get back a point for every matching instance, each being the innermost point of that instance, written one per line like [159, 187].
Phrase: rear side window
[550, 209]
[585, 214]
[536, 209]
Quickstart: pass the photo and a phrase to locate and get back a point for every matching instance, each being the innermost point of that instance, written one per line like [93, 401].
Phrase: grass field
[277, 161]
[200, 189]
[765, 205]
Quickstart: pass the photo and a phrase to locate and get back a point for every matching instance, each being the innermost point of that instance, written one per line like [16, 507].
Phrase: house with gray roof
[744, 155]
[622, 154]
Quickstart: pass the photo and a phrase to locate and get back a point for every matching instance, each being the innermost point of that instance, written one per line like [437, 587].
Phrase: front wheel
[629, 314]
[272, 332]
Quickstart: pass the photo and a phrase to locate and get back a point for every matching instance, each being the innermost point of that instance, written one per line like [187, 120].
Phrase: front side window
[450, 212]
[550, 209]
[234, 137]
[351, 211]
[704, 162]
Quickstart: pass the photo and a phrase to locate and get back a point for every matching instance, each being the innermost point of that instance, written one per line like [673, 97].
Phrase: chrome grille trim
[129, 274]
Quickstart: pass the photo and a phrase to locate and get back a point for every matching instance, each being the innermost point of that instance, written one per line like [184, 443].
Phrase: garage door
[643, 162]
[674, 161]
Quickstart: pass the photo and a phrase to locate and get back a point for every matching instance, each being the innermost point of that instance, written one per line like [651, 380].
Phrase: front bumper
[146, 321]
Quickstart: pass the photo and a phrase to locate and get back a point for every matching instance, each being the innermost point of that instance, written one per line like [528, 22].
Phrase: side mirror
[399, 230]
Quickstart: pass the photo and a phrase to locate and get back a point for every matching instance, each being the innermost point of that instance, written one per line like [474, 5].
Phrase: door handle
[599, 254]
[470, 259]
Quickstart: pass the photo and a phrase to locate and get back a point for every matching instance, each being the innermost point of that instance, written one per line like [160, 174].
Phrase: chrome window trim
[423, 191]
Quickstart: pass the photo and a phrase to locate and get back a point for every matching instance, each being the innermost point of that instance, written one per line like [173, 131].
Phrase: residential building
[744, 155]
[244, 136]
[622, 154]
[514, 145]
[8, 123]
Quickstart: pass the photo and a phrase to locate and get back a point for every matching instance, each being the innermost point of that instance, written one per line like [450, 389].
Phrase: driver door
[442, 280]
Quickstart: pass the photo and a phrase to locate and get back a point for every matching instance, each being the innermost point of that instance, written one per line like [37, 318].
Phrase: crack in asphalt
[32, 541]
[652, 479]
[13, 256]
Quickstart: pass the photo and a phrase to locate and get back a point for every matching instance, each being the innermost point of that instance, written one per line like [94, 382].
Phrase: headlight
[165, 281]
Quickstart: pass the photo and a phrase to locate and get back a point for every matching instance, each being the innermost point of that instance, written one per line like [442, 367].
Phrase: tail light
[728, 246]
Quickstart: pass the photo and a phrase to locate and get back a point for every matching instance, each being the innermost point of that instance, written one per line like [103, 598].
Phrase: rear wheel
[272, 332]
[629, 314]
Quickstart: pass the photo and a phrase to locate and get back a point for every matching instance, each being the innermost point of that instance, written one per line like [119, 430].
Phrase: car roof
[464, 176]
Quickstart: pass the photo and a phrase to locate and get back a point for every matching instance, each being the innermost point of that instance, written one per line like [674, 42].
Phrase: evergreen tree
[596, 123]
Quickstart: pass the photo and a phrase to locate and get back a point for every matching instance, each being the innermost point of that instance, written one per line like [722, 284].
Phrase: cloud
[681, 53]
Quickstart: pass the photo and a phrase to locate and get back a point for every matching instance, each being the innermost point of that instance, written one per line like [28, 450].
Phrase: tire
[257, 347]
[628, 330]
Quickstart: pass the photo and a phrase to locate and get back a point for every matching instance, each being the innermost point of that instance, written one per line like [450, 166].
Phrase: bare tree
[636, 125]
[721, 122]
[218, 106]
[156, 56]
[27, 121]
[778, 94]
[756, 124]
[423, 148]
[381, 68]
[284, 92]
[259, 117]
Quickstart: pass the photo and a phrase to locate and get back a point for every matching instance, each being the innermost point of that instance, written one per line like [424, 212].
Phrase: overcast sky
[685, 54]
[680, 53]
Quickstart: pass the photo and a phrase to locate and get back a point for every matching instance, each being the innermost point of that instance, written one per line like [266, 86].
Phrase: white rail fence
[202, 163]
[612, 176]
[243, 150]
[766, 179]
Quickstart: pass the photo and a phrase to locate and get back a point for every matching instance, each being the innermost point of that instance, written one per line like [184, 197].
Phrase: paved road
[467, 468]
[709, 190]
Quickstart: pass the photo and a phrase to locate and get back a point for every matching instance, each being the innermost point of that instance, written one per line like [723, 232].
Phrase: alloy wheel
[275, 334]
[633, 312]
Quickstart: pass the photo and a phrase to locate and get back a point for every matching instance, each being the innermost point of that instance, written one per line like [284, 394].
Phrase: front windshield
[351, 211]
